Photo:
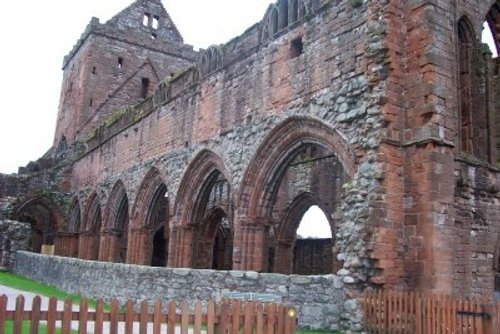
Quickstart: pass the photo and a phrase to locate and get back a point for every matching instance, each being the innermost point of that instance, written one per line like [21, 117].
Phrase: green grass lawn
[26, 284]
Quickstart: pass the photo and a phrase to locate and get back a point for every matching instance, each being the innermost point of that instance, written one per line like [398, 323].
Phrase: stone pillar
[109, 246]
[254, 249]
[283, 259]
[139, 247]
[173, 246]
[185, 251]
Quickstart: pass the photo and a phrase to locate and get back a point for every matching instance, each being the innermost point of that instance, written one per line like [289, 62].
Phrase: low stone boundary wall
[320, 299]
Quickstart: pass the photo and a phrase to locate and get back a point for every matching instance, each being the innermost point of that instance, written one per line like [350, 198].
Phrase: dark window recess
[120, 62]
[94, 70]
[145, 87]
[153, 36]
[90, 102]
[296, 47]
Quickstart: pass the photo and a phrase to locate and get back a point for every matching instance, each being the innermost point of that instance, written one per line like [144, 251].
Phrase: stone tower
[116, 64]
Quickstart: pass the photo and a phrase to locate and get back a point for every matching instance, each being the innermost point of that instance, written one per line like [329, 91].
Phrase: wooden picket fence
[417, 313]
[227, 317]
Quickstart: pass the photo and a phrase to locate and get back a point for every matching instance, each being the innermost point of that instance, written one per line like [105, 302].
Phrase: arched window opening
[122, 220]
[465, 57]
[303, 242]
[157, 223]
[93, 246]
[160, 248]
[214, 246]
[222, 254]
[488, 39]
[313, 245]
[294, 11]
[274, 21]
[283, 13]
[314, 225]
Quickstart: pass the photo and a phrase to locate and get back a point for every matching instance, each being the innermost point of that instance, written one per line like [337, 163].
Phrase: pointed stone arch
[203, 205]
[113, 246]
[88, 247]
[262, 179]
[285, 239]
[67, 243]
[44, 217]
[148, 235]
[475, 97]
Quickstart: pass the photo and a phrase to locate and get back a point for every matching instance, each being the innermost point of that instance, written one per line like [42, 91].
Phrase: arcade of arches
[199, 229]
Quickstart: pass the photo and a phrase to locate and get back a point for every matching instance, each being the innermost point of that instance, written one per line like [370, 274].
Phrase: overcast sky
[36, 35]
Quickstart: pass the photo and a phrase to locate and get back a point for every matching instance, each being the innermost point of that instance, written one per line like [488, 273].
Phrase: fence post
[67, 315]
[35, 314]
[18, 315]
[3, 312]
[83, 318]
[291, 320]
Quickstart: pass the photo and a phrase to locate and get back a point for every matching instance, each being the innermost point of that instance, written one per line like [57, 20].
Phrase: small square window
[153, 35]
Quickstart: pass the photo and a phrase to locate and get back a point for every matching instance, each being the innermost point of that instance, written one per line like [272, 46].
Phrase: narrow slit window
[296, 47]
[156, 22]
[153, 35]
[90, 102]
[120, 62]
[145, 87]
[145, 19]
[94, 70]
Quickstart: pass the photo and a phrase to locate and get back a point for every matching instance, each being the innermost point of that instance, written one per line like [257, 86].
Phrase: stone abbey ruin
[385, 114]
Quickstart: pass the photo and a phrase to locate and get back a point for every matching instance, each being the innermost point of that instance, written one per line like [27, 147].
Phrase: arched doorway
[149, 234]
[204, 215]
[157, 221]
[89, 241]
[303, 162]
[44, 219]
[114, 238]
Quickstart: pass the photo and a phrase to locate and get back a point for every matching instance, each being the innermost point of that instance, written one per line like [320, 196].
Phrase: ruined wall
[233, 110]
[319, 299]
[14, 236]
[477, 228]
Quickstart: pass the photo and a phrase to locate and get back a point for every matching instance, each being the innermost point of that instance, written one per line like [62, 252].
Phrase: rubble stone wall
[320, 299]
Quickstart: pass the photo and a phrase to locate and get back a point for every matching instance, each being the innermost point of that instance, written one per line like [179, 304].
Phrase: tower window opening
[153, 35]
[145, 87]
[296, 47]
[145, 19]
[120, 62]
[94, 70]
[90, 102]
[156, 22]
